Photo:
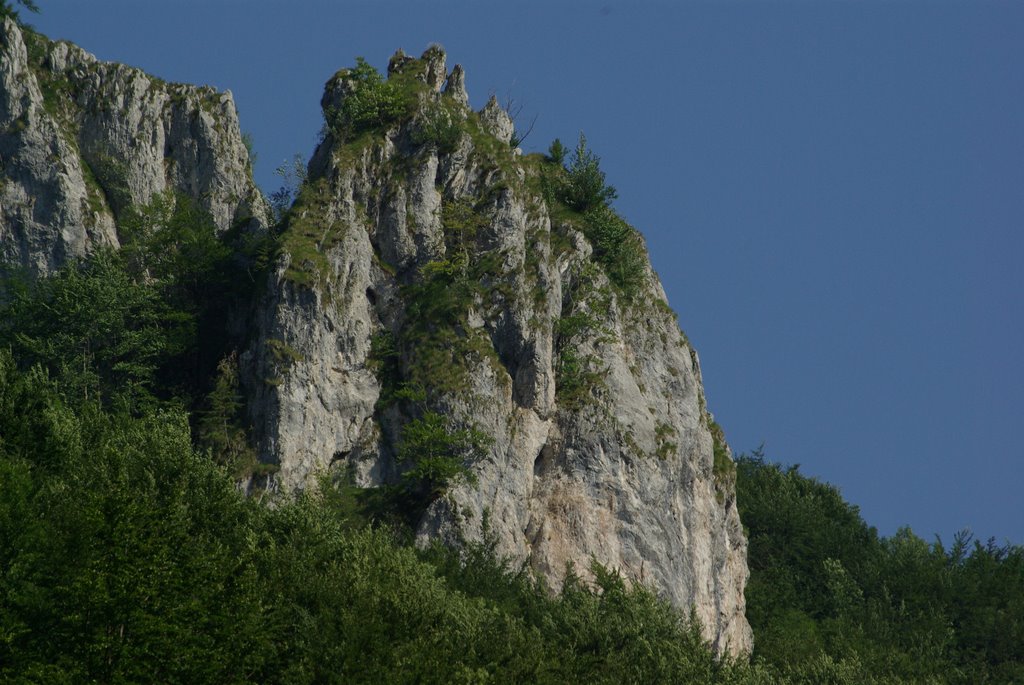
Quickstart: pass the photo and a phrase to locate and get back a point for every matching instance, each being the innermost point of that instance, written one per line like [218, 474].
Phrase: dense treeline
[127, 554]
[824, 583]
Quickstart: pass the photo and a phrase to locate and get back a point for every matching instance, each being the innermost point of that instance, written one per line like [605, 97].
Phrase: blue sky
[832, 192]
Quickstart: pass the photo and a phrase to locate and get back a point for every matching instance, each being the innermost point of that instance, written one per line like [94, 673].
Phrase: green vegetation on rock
[437, 345]
[440, 124]
[579, 376]
[371, 101]
[439, 453]
[309, 232]
[723, 467]
[663, 434]
[577, 194]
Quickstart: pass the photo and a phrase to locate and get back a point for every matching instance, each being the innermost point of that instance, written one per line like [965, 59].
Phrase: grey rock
[496, 121]
[456, 85]
[621, 472]
[81, 140]
[47, 211]
[434, 62]
[398, 61]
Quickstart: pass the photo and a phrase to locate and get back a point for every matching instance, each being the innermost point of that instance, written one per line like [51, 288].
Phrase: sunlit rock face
[424, 269]
[82, 140]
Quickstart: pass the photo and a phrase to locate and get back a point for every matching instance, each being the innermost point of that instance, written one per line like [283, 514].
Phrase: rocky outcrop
[82, 140]
[424, 273]
[427, 278]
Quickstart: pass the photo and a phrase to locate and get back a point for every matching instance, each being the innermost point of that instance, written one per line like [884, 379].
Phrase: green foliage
[780, 502]
[619, 248]
[122, 557]
[125, 556]
[8, 10]
[438, 347]
[723, 468]
[112, 177]
[439, 125]
[174, 241]
[462, 223]
[386, 363]
[439, 453]
[293, 175]
[102, 333]
[308, 234]
[601, 632]
[579, 376]
[370, 103]
[830, 601]
[577, 379]
[580, 322]
[557, 152]
[583, 187]
[221, 422]
[144, 326]
[203, 277]
[577, 194]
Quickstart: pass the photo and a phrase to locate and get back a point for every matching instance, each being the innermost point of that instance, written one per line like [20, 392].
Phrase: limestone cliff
[425, 271]
[429, 280]
[81, 140]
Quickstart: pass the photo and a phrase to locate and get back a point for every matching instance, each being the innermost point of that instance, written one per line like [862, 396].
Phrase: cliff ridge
[82, 140]
[434, 292]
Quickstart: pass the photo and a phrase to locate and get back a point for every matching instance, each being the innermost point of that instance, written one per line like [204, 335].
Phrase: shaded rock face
[82, 140]
[426, 273]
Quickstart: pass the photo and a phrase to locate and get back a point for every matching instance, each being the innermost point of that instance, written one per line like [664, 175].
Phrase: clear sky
[832, 192]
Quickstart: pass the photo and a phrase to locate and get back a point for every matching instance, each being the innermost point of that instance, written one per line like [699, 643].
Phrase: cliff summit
[430, 270]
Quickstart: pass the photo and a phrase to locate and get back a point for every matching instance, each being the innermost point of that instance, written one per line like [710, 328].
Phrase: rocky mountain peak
[447, 323]
[453, 333]
[497, 121]
[81, 140]
[456, 86]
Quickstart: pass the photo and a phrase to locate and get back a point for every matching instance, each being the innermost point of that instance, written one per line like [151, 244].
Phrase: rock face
[81, 140]
[425, 271]
[428, 281]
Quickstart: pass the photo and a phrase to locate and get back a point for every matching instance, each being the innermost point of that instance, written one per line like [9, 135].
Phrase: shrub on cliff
[371, 101]
[438, 453]
[583, 187]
